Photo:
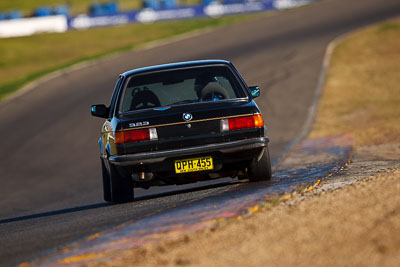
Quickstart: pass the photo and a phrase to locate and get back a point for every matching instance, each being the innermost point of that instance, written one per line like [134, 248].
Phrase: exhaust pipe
[142, 176]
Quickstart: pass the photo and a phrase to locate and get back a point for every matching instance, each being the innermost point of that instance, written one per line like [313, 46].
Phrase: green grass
[76, 6]
[25, 59]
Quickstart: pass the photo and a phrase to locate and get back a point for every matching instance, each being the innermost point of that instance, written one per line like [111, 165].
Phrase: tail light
[254, 121]
[122, 137]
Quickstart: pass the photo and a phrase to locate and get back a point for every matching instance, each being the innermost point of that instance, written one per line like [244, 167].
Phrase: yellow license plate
[194, 165]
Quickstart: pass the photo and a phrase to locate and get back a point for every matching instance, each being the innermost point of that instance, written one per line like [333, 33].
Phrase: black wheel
[121, 188]
[106, 182]
[260, 170]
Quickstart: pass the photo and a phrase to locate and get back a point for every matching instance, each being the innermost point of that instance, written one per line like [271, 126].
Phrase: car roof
[176, 65]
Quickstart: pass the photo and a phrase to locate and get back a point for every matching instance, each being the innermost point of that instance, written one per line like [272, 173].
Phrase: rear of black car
[182, 123]
[202, 136]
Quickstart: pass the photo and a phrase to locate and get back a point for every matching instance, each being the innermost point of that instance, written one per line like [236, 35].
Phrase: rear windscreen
[180, 86]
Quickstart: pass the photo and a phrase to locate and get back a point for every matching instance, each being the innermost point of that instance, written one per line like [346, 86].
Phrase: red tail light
[122, 137]
[238, 123]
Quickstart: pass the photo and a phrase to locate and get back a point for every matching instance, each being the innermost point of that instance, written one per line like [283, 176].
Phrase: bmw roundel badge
[187, 116]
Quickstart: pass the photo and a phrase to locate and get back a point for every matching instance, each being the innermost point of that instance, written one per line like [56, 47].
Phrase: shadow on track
[194, 188]
[56, 212]
[104, 204]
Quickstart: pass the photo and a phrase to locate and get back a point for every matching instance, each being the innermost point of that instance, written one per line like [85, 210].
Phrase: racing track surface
[49, 166]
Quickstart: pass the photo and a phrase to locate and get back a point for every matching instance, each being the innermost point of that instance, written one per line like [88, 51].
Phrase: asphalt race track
[49, 166]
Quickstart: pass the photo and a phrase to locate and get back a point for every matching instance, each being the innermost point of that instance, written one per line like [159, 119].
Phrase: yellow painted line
[254, 209]
[79, 258]
[287, 197]
[93, 236]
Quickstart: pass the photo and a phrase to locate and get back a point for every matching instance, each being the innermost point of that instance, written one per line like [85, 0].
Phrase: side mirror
[100, 111]
[255, 91]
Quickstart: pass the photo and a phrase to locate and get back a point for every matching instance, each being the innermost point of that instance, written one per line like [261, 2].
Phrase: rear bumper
[160, 156]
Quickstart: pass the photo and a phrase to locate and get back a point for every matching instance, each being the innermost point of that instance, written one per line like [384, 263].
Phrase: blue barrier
[45, 11]
[14, 14]
[61, 10]
[42, 11]
[159, 4]
[207, 2]
[149, 15]
[104, 9]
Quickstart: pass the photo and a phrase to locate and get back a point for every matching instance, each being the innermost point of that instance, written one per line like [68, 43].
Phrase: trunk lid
[202, 124]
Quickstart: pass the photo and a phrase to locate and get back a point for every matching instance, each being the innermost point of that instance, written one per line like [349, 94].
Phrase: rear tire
[106, 182]
[121, 187]
[260, 170]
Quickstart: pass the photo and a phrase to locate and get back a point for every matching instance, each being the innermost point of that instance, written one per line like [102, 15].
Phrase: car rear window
[180, 86]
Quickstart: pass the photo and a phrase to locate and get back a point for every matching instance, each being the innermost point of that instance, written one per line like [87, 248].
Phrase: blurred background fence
[58, 18]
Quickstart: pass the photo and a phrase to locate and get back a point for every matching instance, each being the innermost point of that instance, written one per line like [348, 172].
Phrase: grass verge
[362, 92]
[27, 58]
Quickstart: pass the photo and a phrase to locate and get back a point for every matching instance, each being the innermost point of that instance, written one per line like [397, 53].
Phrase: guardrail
[29, 26]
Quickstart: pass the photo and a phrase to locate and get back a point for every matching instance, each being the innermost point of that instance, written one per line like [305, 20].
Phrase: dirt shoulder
[351, 218]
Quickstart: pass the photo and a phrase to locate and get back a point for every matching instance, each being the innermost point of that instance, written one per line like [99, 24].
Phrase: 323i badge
[180, 123]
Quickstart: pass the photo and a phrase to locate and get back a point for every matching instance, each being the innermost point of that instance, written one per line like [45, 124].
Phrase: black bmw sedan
[180, 123]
